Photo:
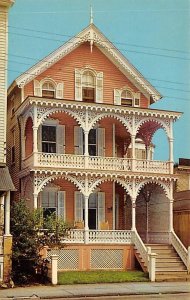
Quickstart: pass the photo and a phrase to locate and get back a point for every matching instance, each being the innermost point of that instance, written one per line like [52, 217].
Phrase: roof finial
[91, 15]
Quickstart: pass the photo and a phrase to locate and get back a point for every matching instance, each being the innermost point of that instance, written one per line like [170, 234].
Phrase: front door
[92, 218]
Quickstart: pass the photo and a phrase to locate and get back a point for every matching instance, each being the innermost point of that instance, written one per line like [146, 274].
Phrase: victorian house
[6, 184]
[80, 143]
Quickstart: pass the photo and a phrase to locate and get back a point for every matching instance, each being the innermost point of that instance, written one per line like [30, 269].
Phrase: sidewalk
[79, 290]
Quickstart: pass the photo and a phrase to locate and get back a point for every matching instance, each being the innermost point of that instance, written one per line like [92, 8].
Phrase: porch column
[7, 213]
[86, 228]
[86, 153]
[35, 201]
[171, 159]
[171, 216]
[133, 152]
[2, 205]
[35, 139]
[133, 200]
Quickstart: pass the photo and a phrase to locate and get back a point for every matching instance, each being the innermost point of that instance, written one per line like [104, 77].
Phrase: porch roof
[6, 183]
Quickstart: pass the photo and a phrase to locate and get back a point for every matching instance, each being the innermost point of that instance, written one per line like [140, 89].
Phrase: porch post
[171, 159]
[133, 152]
[7, 213]
[133, 200]
[171, 216]
[35, 201]
[86, 228]
[113, 204]
[86, 153]
[35, 139]
[113, 139]
[35, 131]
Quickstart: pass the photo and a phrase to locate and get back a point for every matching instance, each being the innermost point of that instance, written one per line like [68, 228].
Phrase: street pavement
[95, 290]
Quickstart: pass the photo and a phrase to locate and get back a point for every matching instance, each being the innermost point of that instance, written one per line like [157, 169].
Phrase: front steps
[169, 266]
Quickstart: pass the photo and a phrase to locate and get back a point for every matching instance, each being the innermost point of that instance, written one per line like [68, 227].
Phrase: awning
[6, 183]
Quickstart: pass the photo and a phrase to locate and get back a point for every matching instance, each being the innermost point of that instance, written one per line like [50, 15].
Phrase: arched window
[126, 98]
[48, 90]
[88, 86]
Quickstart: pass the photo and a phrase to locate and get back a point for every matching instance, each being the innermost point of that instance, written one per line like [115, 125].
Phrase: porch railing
[99, 236]
[140, 246]
[55, 160]
[180, 249]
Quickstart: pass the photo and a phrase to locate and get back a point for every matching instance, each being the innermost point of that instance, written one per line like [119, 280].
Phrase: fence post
[152, 266]
[188, 260]
[54, 259]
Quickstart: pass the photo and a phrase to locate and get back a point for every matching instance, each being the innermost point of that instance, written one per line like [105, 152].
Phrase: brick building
[80, 139]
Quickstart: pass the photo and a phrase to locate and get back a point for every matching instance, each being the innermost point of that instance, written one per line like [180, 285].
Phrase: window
[12, 101]
[126, 98]
[13, 147]
[92, 142]
[48, 90]
[53, 202]
[88, 85]
[49, 139]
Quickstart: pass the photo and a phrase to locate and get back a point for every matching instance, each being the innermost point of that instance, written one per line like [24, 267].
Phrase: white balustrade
[152, 166]
[56, 160]
[140, 246]
[99, 236]
[180, 248]
[110, 236]
[155, 237]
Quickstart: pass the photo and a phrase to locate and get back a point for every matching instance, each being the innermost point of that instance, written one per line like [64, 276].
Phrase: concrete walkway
[79, 290]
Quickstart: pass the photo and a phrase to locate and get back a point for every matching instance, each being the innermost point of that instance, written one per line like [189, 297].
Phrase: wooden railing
[99, 236]
[180, 249]
[57, 161]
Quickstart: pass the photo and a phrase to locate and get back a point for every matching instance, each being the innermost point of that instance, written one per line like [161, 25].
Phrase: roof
[6, 183]
[92, 35]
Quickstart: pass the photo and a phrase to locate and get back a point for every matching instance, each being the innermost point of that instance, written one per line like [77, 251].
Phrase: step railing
[141, 248]
[180, 249]
[147, 256]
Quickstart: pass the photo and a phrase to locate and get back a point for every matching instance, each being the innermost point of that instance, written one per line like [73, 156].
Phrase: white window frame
[98, 76]
[136, 96]
[58, 88]
[57, 192]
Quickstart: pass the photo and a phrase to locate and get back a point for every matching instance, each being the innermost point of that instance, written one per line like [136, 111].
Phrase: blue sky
[153, 34]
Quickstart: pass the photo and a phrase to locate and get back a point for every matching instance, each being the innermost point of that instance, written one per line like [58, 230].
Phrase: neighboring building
[182, 201]
[72, 118]
[6, 185]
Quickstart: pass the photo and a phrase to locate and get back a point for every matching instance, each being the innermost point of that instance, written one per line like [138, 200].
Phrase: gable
[93, 36]
[82, 57]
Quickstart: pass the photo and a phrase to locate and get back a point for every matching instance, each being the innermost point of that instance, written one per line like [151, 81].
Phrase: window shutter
[117, 97]
[137, 99]
[101, 208]
[61, 204]
[59, 90]
[78, 140]
[40, 138]
[99, 87]
[37, 89]
[78, 206]
[60, 139]
[78, 85]
[101, 141]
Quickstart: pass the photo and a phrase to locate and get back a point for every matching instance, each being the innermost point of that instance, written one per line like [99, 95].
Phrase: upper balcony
[65, 135]
[56, 161]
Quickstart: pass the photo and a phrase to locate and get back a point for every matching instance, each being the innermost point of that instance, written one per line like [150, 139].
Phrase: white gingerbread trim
[89, 33]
